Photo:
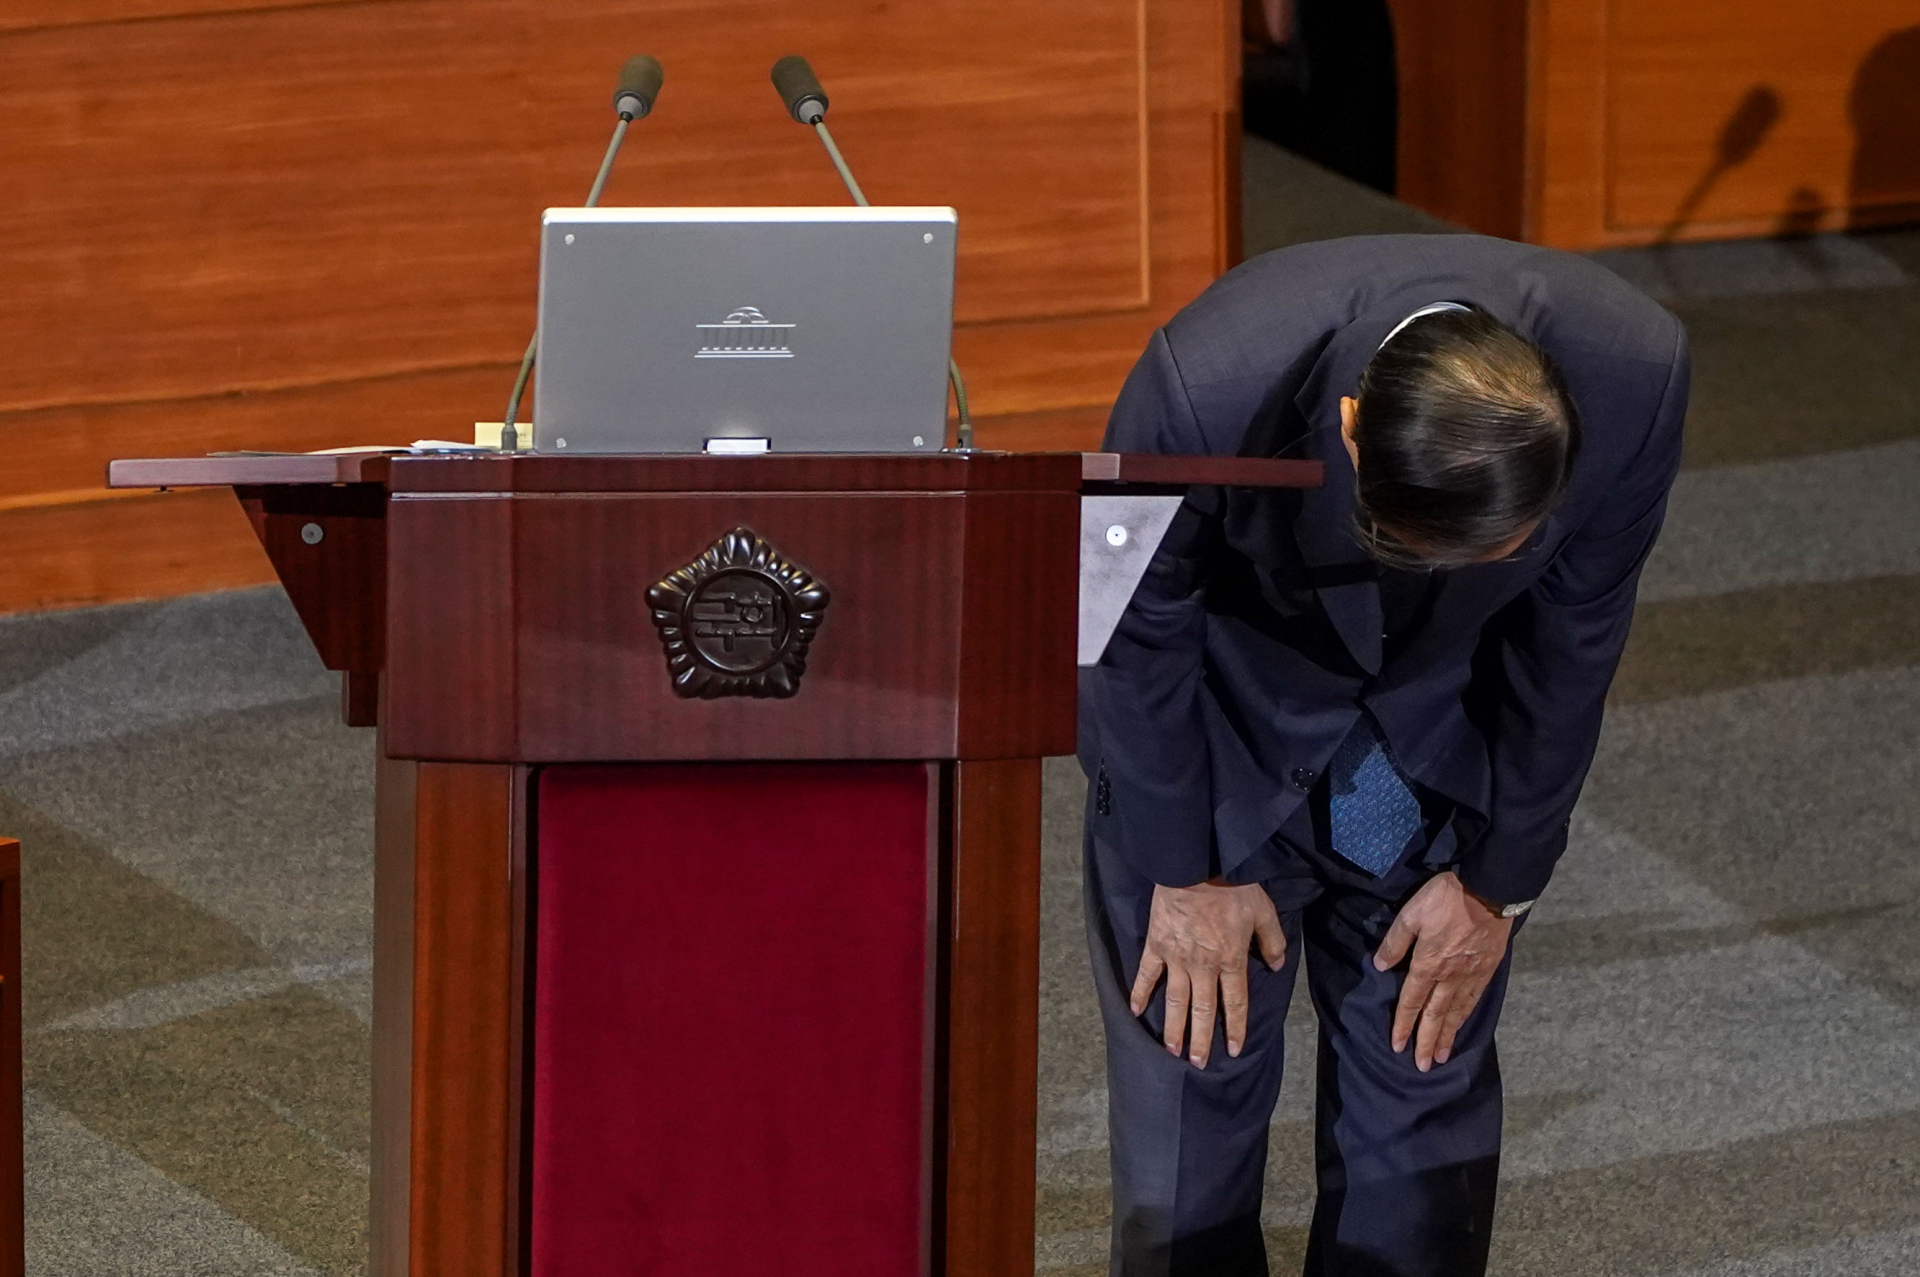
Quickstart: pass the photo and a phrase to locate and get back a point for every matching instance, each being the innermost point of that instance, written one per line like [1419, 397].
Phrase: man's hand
[1458, 941]
[1199, 938]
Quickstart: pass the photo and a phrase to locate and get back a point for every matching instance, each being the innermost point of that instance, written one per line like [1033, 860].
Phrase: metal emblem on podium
[738, 620]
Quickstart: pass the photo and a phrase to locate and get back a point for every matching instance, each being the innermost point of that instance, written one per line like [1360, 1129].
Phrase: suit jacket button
[1302, 778]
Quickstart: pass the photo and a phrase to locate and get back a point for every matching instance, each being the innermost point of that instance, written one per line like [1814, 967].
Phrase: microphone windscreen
[640, 82]
[797, 85]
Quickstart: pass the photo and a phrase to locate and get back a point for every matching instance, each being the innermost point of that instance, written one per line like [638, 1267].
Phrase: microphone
[800, 89]
[633, 99]
[639, 84]
[806, 102]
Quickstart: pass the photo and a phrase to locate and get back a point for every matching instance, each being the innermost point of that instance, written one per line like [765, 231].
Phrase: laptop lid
[815, 329]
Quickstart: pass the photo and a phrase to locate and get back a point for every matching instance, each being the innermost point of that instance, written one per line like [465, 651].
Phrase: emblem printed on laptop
[738, 620]
[746, 334]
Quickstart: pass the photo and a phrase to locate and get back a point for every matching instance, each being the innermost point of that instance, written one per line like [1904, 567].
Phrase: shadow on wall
[1740, 137]
[1883, 182]
[1885, 110]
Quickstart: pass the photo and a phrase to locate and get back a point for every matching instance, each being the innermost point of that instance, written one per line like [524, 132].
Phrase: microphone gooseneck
[846, 174]
[806, 101]
[640, 81]
[606, 162]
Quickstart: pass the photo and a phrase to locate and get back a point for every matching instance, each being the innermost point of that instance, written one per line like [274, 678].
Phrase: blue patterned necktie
[1372, 813]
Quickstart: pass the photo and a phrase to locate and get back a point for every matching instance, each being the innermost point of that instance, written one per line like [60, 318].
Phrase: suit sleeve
[1143, 739]
[1553, 654]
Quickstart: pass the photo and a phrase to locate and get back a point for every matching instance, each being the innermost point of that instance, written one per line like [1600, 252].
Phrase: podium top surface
[816, 472]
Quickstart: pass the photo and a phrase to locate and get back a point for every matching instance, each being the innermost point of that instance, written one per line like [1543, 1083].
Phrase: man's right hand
[1199, 937]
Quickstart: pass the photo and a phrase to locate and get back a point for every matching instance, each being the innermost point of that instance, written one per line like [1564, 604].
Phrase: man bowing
[1349, 724]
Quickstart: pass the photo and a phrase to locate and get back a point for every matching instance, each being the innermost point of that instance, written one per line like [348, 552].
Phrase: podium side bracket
[1118, 537]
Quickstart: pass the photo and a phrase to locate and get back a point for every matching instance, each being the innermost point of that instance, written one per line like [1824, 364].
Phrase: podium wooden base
[765, 1001]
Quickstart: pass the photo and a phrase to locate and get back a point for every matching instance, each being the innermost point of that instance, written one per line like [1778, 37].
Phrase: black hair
[1466, 437]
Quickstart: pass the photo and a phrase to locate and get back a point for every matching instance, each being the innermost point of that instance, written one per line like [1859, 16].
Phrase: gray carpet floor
[1712, 1043]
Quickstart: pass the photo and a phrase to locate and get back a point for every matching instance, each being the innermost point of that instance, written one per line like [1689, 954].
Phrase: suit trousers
[1406, 1162]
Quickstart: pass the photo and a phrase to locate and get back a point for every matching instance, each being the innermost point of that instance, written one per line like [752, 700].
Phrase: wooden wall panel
[296, 226]
[1462, 127]
[1566, 102]
[1643, 121]
[70, 542]
[136, 545]
[1038, 142]
[252, 201]
[57, 452]
[1736, 118]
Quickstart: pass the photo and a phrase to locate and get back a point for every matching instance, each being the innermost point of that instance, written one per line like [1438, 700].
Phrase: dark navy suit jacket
[1255, 639]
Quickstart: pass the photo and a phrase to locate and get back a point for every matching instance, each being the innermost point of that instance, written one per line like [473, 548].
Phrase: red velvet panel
[731, 972]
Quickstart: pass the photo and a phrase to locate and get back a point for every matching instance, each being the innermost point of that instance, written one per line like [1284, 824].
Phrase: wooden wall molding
[45, 15]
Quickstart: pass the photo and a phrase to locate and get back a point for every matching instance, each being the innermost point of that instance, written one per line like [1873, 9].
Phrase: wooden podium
[706, 885]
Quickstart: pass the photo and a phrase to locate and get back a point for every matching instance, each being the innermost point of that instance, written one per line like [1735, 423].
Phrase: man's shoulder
[1239, 351]
[1384, 262]
[1261, 313]
[1323, 276]
[1326, 282]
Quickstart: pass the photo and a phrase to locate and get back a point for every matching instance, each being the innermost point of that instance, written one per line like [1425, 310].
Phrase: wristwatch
[1505, 911]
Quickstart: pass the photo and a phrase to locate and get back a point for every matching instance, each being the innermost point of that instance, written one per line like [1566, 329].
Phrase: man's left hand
[1458, 941]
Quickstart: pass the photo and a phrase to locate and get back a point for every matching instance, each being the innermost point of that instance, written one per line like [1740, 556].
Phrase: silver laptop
[738, 329]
